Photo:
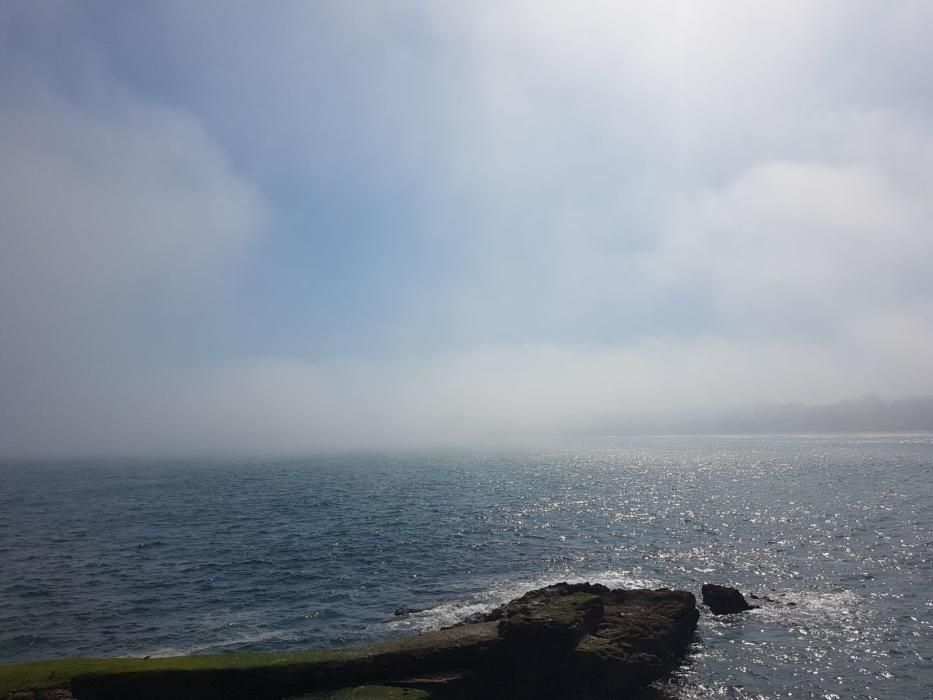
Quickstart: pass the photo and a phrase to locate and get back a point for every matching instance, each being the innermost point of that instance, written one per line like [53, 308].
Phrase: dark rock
[724, 600]
[640, 638]
[585, 640]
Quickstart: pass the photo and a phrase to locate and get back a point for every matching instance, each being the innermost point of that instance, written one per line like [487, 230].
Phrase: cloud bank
[331, 225]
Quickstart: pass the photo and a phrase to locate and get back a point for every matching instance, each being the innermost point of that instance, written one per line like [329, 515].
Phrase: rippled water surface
[209, 556]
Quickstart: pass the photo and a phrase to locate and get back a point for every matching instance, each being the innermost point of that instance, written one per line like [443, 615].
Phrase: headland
[562, 641]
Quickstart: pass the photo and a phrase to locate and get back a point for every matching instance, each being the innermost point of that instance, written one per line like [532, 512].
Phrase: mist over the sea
[304, 226]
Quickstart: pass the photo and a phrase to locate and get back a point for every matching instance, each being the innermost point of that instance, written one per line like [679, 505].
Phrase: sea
[204, 556]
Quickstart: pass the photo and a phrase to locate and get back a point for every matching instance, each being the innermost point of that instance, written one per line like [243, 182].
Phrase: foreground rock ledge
[564, 641]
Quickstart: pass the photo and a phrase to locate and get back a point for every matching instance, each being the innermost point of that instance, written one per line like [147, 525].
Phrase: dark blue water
[136, 558]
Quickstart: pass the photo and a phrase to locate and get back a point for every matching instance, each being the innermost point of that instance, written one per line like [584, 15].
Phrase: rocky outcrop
[587, 641]
[724, 600]
[563, 641]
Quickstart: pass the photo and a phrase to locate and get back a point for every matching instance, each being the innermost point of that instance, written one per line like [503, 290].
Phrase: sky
[291, 226]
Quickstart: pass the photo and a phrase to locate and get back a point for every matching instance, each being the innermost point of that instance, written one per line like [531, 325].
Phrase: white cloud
[801, 243]
[768, 164]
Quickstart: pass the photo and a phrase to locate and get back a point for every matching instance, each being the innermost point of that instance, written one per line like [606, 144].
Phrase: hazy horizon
[864, 416]
[309, 226]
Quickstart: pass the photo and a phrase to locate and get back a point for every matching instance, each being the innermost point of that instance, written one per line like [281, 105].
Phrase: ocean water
[204, 556]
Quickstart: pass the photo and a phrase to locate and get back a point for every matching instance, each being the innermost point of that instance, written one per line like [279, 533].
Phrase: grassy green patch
[48, 674]
[567, 609]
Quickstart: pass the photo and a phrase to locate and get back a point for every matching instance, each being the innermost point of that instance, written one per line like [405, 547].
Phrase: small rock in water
[761, 597]
[724, 600]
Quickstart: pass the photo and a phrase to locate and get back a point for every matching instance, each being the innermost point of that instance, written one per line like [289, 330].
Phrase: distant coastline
[867, 414]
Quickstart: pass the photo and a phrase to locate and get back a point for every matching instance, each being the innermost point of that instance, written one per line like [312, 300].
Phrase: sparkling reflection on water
[182, 557]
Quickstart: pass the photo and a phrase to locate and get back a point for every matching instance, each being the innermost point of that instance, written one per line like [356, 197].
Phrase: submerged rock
[724, 600]
[766, 599]
[405, 610]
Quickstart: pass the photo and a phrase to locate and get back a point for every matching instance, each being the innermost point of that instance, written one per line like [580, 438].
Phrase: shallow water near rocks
[203, 556]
